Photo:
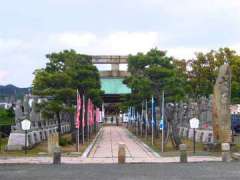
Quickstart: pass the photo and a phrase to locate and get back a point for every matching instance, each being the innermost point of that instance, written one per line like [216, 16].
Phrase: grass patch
[7, 121]
[42, 148]
[169, 150]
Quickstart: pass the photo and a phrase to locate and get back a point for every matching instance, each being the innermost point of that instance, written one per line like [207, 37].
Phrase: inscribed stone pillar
[34, 115]
[26, 106]
[52, 142]
[18, 115]
[221, 106]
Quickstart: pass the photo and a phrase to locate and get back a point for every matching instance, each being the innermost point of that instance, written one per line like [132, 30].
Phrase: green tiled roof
[114, 86]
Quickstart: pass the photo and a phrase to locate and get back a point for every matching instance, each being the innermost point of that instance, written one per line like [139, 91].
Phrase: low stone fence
[16, 139]
[202, 135]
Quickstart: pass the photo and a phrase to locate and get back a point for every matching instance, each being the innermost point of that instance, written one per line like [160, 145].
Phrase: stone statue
[221, 106]
[26, 106]
[18, 113]
[34, 115]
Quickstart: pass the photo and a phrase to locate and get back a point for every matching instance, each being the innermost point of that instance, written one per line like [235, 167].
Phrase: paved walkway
[105, 151]
[106, 146]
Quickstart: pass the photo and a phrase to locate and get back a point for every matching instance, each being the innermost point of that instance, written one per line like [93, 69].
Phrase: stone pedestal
[16, 141]
[121, 153]
[226, 153]
[183, 153]
[57, 155]
[52, 142]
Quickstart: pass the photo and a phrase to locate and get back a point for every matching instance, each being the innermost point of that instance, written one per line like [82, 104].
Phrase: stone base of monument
[183, 153]
[14, 148]
[226, 153]
[57, 155]
[16, 141]
[121, 153]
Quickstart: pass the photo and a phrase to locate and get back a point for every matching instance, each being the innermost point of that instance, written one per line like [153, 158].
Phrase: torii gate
[112, 82]
[115, 62]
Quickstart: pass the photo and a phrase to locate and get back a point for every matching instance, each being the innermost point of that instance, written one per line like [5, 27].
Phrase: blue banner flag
[161, 125]
[153, 112]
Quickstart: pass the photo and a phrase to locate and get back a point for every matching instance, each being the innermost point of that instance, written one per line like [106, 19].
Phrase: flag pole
[152, 119]
[136, 122]
[146, 114]
[77, 121]
[163, 121]
[83, 119]
[142, 120]
[102, 114]
[78, 140]
[88, 127]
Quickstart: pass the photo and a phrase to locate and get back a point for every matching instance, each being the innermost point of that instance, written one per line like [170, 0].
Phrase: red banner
[90, 112]
[78, 110]
[83, 113]
[97, 115]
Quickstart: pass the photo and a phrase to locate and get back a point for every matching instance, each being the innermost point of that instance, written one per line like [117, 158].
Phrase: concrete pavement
[106, 146]
[169, 171]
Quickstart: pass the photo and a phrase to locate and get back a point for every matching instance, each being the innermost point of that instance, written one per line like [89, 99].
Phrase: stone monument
[40, 129]
[52, 142]
[221, 106]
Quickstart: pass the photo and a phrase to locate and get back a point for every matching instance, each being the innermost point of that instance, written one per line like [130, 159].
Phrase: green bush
[5, 130]
[65, 142]
[6, 116]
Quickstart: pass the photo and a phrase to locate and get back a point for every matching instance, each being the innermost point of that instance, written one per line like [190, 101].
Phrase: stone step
[236, 156]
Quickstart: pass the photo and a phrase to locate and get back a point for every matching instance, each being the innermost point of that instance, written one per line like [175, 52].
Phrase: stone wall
[202, 135]
[201, 109]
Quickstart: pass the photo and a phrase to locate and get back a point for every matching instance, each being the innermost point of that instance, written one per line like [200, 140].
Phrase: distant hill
[11, 90]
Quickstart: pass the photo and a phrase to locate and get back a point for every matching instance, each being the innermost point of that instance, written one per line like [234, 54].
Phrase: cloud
[113, 43]
[73, 40]
[111, 27]
[236, 47]
[20, 57]
[7, 44]
[130, 42]
[185, 52]
[3, 75]
[124, 43]
[192, 5]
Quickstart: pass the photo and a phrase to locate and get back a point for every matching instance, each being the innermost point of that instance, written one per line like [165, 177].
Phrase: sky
[31, 29]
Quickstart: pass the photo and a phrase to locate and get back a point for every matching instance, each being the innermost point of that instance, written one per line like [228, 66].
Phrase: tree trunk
[73, 129]
[59, 126]
[159, 100]
[175, 134]
[173, 122]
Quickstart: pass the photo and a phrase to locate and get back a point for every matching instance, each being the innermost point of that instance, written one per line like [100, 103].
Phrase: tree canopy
[66, 72]
[204, 70]
[151, 73]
